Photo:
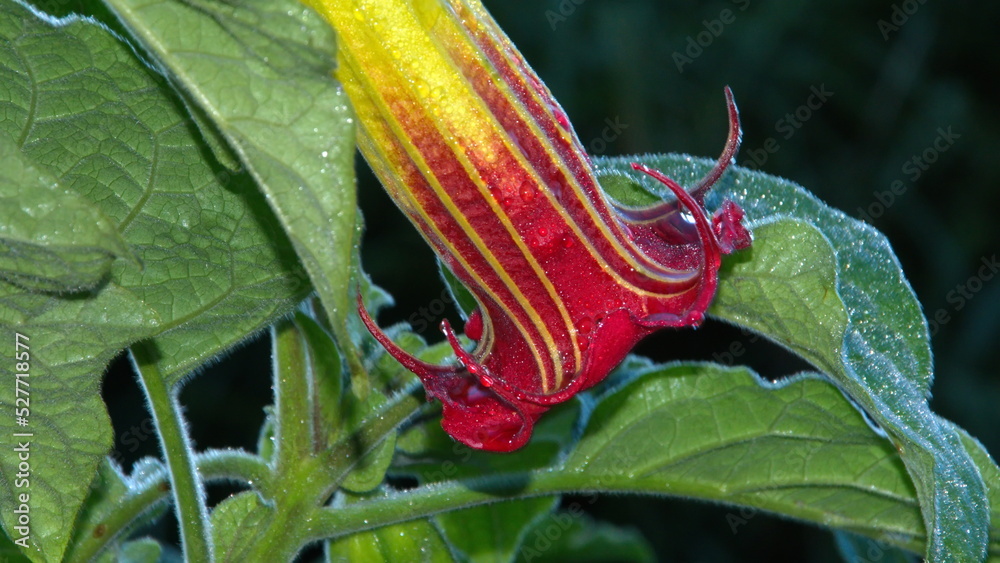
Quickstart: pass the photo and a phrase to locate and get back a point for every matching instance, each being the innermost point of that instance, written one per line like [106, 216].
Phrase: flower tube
[475, 150]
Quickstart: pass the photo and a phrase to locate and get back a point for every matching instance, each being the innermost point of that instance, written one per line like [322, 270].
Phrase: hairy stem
[331, 523]
[311, 481]
[188, 490]
[294, 431]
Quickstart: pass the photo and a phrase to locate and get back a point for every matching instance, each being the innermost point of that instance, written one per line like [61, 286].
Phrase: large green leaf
[797, 448]
[211, 264]
[866, 332]
[270, 91]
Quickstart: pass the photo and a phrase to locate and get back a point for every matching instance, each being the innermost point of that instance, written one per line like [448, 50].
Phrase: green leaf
[494, 533]
[51, 239]
[791, 296]
[417, 540]
[991, 476]
[875, 347]
[235, 523]
[570, 535]
[370, 471]
[211, 266]
[460, 295]
[273, 98]
[797, 448]
[327, 380]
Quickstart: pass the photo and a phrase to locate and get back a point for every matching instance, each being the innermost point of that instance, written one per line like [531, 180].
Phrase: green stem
[188, 490]
[235, 465]
[116, 521]
[311, 481]
[330, 523]
[423, 502]
[293, 433]
[359, 374]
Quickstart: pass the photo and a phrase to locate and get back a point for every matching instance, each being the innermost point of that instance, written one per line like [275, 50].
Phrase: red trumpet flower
[473, 147]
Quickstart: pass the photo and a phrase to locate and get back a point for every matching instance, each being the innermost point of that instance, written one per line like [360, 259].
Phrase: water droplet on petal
[423, 90]
[527, 192]
[562, 119]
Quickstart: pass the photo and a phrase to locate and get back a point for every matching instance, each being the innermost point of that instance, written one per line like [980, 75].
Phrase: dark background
[617, 61]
